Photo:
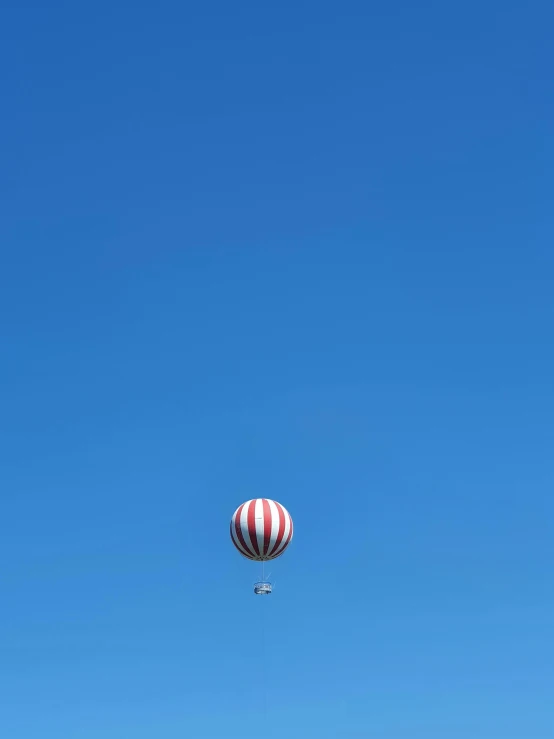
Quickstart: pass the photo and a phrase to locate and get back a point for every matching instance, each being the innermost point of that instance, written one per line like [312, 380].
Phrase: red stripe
[289, 537]
[276, 556]
[251, 519]
[267, 525]
[236, 545]
[238, 530]
[281, 530]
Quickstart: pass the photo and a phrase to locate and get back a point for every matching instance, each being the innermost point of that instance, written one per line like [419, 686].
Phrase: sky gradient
[298, 251]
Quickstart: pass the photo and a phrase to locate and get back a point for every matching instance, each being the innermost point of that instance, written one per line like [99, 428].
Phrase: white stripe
[274, 526]
[244, 528]
[288, 524]
[236, 540]
[259, 518]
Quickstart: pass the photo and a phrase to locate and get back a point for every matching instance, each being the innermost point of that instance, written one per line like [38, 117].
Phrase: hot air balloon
[261, 529]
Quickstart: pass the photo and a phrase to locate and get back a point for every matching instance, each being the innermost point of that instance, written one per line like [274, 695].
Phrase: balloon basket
[262, 588]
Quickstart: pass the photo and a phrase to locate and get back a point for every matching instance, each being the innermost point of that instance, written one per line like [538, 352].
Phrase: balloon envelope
[261, 529]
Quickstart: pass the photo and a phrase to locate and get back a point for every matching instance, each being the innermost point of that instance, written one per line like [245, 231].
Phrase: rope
[264, 655]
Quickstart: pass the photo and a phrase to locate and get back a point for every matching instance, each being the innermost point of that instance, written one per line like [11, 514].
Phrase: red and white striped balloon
[261, 529]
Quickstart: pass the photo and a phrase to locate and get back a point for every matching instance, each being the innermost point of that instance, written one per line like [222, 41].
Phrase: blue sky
[301, 251]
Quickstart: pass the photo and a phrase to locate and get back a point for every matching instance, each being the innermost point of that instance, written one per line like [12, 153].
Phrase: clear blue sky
[301, 251]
